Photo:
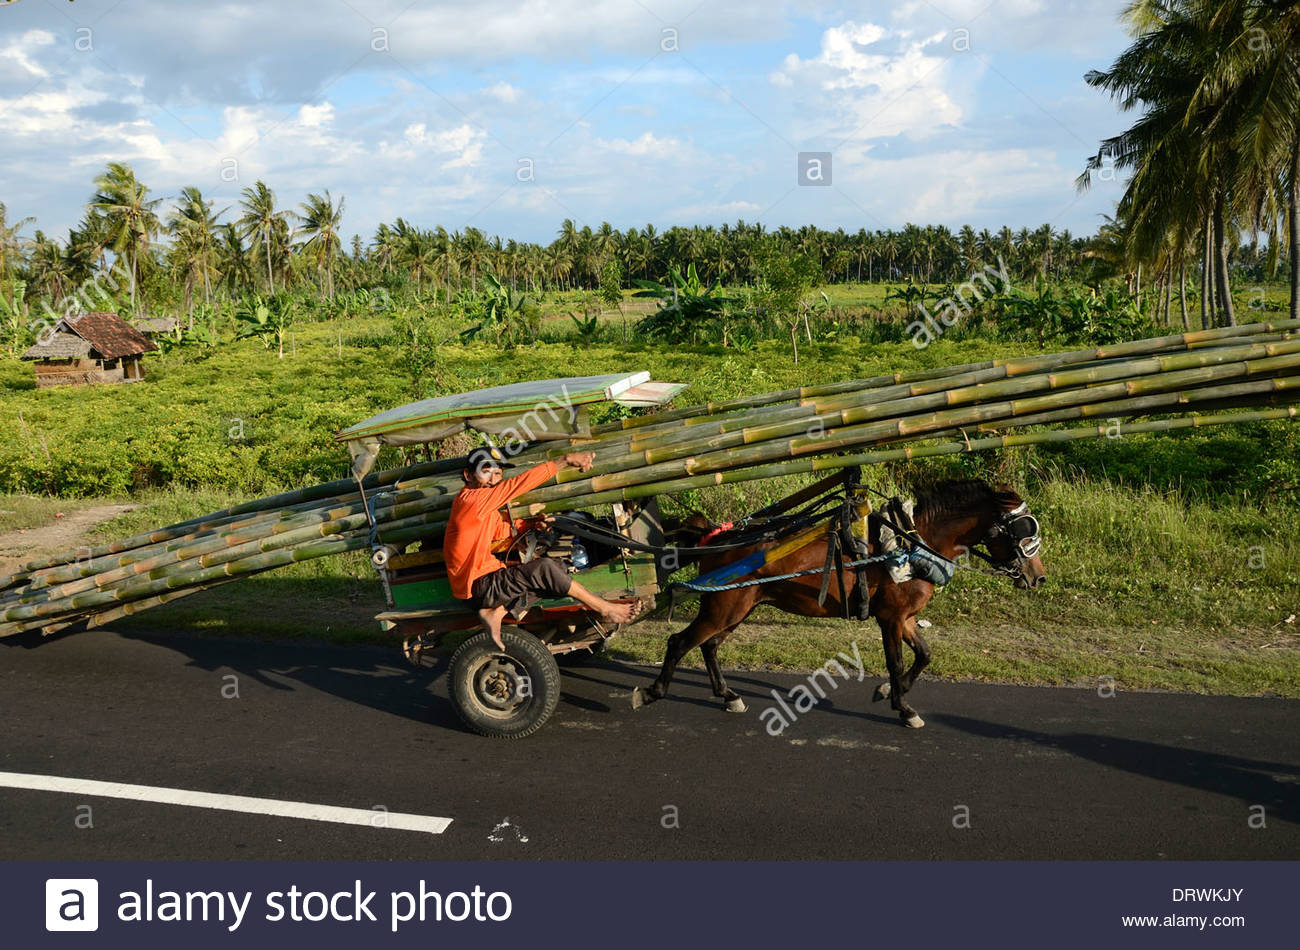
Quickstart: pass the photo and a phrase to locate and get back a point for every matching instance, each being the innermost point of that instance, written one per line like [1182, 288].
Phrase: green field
[1174, 561]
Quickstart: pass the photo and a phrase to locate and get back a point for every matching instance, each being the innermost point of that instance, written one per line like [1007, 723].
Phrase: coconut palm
[1218, 142]
[387, 244]
[193, 226]
[47, 269]
[320, 219]
[11, 246]
[233, 258]
[129, 215]
[263, 224]
[1252, 90]
[443, 251]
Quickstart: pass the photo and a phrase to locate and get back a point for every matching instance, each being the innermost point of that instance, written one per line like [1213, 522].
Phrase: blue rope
[898, 557]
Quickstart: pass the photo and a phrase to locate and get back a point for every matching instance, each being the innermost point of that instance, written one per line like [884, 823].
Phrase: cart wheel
[504, 695]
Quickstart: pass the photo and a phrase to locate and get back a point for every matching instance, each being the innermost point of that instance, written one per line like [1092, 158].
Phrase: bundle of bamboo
[866, 421]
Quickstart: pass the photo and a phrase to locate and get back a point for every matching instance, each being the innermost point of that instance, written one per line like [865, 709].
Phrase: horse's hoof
[882, 692]
[639, 698]
[913, 721]
[736, 705]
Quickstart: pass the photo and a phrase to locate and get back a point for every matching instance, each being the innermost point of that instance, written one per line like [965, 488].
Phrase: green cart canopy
[520, 413]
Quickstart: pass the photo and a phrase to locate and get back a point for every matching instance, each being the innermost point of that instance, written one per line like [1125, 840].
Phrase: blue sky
[513, 116]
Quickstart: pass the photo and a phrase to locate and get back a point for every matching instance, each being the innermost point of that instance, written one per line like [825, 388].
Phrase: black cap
[486, 457]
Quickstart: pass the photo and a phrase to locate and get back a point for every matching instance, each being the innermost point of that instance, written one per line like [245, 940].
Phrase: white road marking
[375, 818]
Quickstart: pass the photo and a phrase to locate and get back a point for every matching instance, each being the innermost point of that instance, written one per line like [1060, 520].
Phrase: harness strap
[698, 588]
[832, 544]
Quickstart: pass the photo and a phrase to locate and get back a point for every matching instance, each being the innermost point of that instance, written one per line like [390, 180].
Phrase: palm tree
[47, 268]
[86, 244]
[129, 215]
[261, 222]
[193, 224]
[11, 246]
[474, 252]
[387, 244]
[420, 255]
[1253, 91]
[1219, 137]
[445, 251]
[233, 258]
[320, 219]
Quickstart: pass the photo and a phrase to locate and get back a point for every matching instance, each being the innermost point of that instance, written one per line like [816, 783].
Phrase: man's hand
[582, 461]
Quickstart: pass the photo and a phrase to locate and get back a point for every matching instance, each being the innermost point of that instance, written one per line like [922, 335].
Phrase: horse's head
[978, 516]
[1014, 540]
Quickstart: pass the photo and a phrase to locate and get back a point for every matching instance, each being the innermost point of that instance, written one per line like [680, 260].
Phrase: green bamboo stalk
[20, 618]
[270, 504]
[947, 390]
[847, 410]
[879, 390]
[1132, 348]
[755, 446]
[54, 600]
[832, 462]
[147, 558]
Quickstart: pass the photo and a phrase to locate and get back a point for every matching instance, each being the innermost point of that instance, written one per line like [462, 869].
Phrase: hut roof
[61, 346]
[109, 335]
[156, 325]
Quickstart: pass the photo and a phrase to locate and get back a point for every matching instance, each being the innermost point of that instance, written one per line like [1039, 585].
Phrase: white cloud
[433, 131]
[708, 212]
[16, 51]
[503, 91]
[316, 116]
[953, 185]
[457, 147]
[647, 144]
[869, 81]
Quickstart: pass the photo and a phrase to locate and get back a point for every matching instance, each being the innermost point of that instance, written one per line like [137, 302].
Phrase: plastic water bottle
[578, 556]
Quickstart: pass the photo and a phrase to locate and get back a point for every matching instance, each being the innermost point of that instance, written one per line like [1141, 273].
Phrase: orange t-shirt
[476, 522]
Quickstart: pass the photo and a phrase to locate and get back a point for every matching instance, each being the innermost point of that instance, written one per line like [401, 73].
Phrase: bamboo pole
[911, 452]
[1118, 350]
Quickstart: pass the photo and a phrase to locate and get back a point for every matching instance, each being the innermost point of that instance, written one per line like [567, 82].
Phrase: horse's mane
[961, 495]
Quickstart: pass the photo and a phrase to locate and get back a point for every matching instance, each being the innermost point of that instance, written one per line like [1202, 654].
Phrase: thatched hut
[157, 326]
[91, 348]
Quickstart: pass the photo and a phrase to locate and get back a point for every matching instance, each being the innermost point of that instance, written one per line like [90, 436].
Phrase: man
[476, 523]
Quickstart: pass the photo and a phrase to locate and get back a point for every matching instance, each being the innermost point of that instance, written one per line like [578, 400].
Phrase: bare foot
[492, 618]
[620, 613]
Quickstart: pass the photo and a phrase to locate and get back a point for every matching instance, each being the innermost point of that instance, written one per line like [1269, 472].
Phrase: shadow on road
[1248, 780]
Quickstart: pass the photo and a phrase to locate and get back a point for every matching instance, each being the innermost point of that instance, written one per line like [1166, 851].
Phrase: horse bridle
[1023, 531]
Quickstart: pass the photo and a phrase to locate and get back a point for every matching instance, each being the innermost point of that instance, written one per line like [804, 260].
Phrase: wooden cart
[511, 693]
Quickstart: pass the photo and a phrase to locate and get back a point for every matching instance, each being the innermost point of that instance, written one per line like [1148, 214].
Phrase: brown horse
[953, 518]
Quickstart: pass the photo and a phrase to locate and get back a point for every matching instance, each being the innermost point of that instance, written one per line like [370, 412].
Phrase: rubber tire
[538, 664]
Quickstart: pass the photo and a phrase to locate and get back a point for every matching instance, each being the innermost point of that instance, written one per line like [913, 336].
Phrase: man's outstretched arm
[535, 477]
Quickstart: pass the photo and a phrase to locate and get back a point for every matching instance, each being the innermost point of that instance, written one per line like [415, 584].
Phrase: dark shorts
[519, 586]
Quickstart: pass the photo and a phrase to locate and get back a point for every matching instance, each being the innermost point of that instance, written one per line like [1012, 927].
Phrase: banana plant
[13, 317]
[686, 306]
[267, 321]
[510, 315]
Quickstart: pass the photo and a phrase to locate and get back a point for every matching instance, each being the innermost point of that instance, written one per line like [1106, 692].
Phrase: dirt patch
[62, 534]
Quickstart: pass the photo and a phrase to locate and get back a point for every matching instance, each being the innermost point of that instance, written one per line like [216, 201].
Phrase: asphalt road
[999, 771]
